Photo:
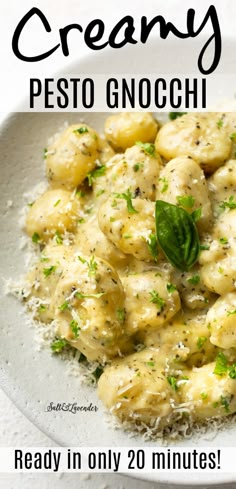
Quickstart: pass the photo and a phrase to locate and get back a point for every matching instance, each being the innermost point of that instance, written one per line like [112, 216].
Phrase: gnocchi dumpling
[56, 211]
[222, 185]
[208, 394]
[150, 301]
[125, 129]
[129, 224]
[218, 270]
[136, 169]
[185, 340]
[135, 388]
[72, 156]
[201, 136]
[97, 243]
[89, 308]
[182, 183]
[221, 321]
[43, 278]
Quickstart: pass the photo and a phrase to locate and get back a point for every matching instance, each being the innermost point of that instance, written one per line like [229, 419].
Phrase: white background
[15, 429]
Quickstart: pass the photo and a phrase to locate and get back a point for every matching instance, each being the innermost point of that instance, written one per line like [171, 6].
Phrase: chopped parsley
[64, 306]
[175, 115]
[221, 366]
[137, 167]
[74, 326]
[45, 153]
[232, 371]
[91, 264]
[201, 341]
[57, 203]
[58, 237]
[151, 364]
[156, 299]
[173, 382]
[194, 280]
[80, 193]
[128, 196]
[48, 271]
[98, 172]
[120, 314]
[80, 295]
[35, 238]
[204, 247]
[204, 395]
[44, 258]
[186, 201]
[100, 192]
[233, 136]
[225, 402]
[171, 288]
[58, 345]
[152, 246]
[81, 130]
[148, 148]
[220, 123]
[231, 313]
[231, 204]
[223, 241]
[42, 308]
[165, 184]
[197, 214]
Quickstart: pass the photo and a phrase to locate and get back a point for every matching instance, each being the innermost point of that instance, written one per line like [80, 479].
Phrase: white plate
[32, 379]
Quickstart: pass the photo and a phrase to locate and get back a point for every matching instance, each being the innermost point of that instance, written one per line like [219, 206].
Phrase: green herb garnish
[177, 235]
[80, 295]
[165, 184]
[64, 306]
[98, 172]
[35, 238]
[175, 115]
[225, 402]
[81, 130]
[48, 271]
[171, 288]
[156, 299]
[58, 237]
[223, 241]
[201, 341]
[197, 214]
[128, 197]
[186, 201]
[231, 204]
[148, 148]
[120, 314]
[152, 246]
[221, 366]
[58, 345]
[74, 326]
[173, 382]
[194, 280]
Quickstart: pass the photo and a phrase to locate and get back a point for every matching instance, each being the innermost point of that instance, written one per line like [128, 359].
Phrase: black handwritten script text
[127, 31]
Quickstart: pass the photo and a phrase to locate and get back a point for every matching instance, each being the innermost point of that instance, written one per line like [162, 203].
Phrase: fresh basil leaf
[177, 235]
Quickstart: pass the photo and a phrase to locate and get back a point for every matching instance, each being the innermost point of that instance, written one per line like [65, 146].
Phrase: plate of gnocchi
[119, 276]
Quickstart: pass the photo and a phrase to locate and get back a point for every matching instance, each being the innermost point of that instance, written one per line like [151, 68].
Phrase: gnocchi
[136, 262]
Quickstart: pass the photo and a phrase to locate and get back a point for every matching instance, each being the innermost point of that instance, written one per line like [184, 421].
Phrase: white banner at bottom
[118, 460]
